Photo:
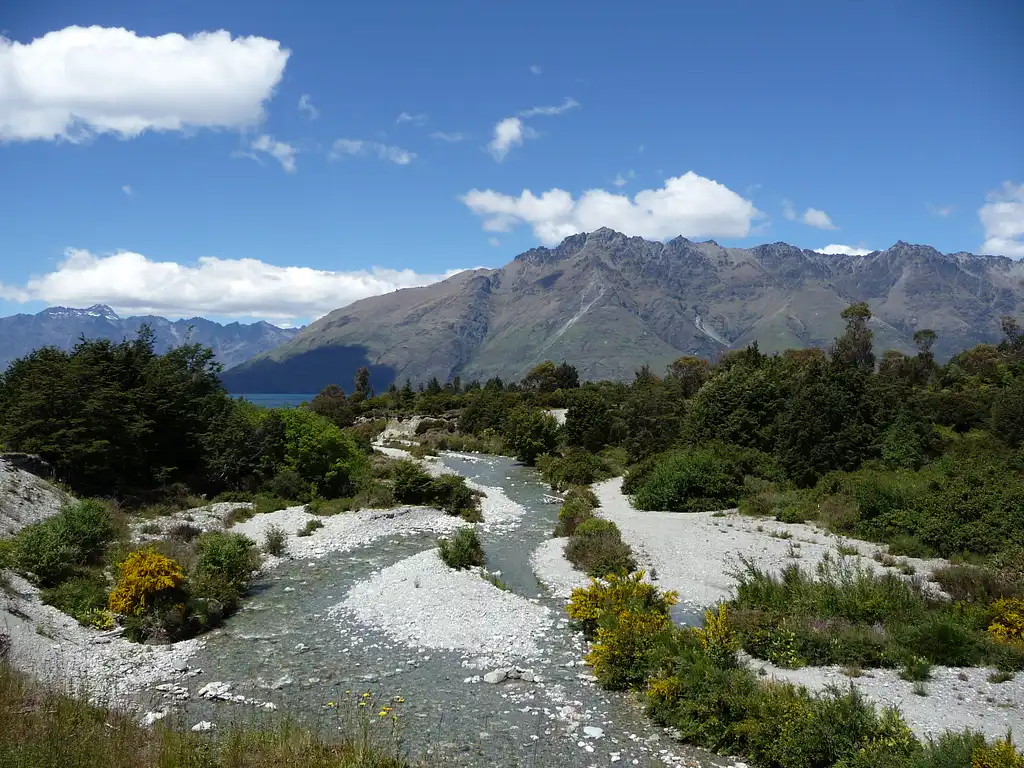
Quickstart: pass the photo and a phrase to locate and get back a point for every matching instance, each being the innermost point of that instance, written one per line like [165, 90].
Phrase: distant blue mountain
[64, 326]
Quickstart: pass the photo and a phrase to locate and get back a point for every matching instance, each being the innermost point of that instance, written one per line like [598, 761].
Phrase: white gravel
[345, 531]
[206, 518]
[695, 555]
[956, 698]
[554, 570]
[423, 603]
[52, 647]
[25, 499]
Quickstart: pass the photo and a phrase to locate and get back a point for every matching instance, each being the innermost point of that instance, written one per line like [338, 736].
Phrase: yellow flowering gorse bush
[144, 575]
[1008, 621]
[1002, 754]
[614, 595]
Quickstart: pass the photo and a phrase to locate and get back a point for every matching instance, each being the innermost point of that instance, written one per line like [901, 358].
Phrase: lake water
[266, 400]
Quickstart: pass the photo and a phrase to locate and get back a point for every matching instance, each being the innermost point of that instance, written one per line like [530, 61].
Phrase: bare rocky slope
[608, 303]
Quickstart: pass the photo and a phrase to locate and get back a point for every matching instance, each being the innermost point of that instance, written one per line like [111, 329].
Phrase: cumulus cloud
[451, 138]
[132, 283]
[307, 108]
[392, 154]
[79, 81]
[405, 117]
[812, 217]
[279, 150]
[510, 132]
[688, 205]
[1003, 220]
[843, 250]
[564, 107]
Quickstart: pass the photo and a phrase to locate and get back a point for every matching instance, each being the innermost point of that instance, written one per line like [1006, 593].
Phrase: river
[285, 647]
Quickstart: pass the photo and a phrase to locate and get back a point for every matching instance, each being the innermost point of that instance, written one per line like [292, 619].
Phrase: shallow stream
[286, 648]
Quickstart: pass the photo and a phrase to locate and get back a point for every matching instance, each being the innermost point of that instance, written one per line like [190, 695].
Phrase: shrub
[530, 432]
[288, 484]
[599, 554]
[145, 579]
[698, 479]
[275, 542]
[613, 595]
[185, 532]
[309, 527]
[78, 535]
[583, 494]
[463, 550]
[574, 467]
[1002, 754]
[1007, 622]
[226, 559]
[573, 512]
[454, 496]
[972, 584]
[79, 596]
[595, 526]
[625, 648]
[411, 483]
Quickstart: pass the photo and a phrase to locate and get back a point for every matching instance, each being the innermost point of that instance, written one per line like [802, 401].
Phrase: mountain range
[62, 327]
[608, 303]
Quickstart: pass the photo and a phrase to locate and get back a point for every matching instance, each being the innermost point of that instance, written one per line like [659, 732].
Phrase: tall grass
[43, 729]
[845, 613]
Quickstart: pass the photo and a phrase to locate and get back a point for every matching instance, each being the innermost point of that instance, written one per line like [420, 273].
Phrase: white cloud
[127, 189]
[279, 150]
[564, 107]
[688, 205]
[812, 217]
[405, 117]
[843, 250]
[79, 81]
[621, 181]
[392, 154]
[510, 132]
[132, 283]
[494, 241]
[535, 68]
[942, 211]
[306, 107]
[451, 138]
[1003, 219]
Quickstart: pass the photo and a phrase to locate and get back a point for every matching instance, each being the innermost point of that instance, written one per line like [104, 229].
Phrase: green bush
[310, 527]
[530, 432]
[411, 483]
[288, 484]
[78, 535]
[224, 567]
[275, 542]
[599, 554]
[573, 512]
[699, 479]
[973, 584]
[463, 550]
[595, 526]
[79, 596]
[574, 467]
[849, 614]
[452, 494]
[327, 458]
[584, 494]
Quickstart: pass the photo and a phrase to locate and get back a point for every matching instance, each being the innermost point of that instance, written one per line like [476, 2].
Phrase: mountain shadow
[307, 372]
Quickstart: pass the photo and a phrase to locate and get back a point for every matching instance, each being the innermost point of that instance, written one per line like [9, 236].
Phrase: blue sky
[181, 175]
